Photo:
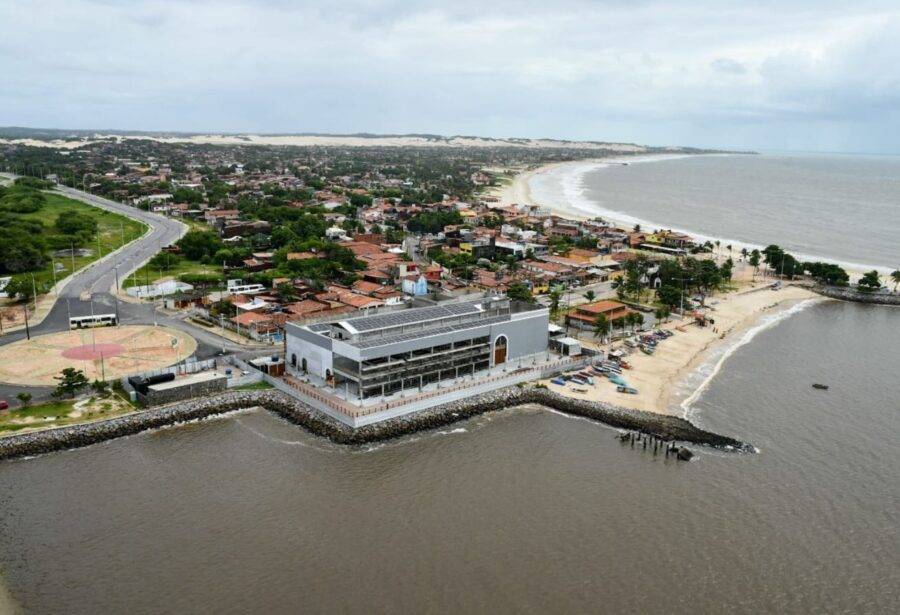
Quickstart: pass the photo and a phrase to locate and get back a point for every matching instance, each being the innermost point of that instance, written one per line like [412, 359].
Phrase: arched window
[293, 360]
[500, 349]
[303, 365]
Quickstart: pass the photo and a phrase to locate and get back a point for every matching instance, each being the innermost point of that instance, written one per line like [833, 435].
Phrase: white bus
[246, 289]
[97, 320]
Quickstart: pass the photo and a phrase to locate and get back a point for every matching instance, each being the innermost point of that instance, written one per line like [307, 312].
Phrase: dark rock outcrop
[845, 293]
[662, 426]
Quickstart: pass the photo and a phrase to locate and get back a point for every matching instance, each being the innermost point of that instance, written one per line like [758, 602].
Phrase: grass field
[61, 413]
[113, 229]
[149, 275]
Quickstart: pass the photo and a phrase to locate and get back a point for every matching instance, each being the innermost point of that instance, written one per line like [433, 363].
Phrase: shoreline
[519, 192]
[664, 427]
[663, 380]
[666, 381]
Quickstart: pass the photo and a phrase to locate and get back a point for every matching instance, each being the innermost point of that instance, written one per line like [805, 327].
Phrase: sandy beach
[657, 377]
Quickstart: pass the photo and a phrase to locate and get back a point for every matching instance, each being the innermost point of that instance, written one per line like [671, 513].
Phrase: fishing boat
[823, 387]
[627, 389]
[559, 381]
[579, 390]
[646, 350]
[617, 380]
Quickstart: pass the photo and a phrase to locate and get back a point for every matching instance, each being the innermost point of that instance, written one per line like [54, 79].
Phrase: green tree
[555, 295]
[21, 286]
[197, 245]
[827, 273]
[754, 261]
[70, 381]
[727, 269]
[589, 296]
[869, 282]
[635, 319]
[519, 292]
[895, 276]
[601, 326]
[24, 398]
[163, 261]
[71, 222]
[100, 387]
[669, 295]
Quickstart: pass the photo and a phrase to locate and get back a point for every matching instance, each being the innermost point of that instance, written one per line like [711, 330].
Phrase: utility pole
[73, 257]
[116, 294]
[34, 291]
[27, 330]
[93, 328]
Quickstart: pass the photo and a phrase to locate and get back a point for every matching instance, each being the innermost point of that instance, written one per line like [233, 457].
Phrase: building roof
[395, 320]
[601, 307]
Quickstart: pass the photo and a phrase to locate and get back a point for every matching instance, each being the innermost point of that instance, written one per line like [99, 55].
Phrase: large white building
[376, 356]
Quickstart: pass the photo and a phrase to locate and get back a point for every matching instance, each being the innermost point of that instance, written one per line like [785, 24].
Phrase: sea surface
[520, 510]
[841, 208]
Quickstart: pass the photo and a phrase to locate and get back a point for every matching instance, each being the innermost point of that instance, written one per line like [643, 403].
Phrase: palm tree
[590, 296]
[555, 295]
[895, 276]
[744, 254]
[754, 262]
[601, 326]
[637, 319]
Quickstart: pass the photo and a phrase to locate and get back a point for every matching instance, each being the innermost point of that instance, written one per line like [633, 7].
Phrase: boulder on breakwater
[846, 293]
[294, 411]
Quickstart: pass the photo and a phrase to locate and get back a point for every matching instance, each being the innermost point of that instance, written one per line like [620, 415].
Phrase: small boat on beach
[579, 390]
[559, 381]
[627, 389]
[823, 387]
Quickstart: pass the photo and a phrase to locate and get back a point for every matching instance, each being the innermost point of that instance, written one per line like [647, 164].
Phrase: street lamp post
[116, 294]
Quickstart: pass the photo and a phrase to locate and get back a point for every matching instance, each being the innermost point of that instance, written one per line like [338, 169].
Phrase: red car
[4, 405]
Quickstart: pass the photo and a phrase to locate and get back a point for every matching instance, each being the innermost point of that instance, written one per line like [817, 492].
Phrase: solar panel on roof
[402, 337]
[412, 316]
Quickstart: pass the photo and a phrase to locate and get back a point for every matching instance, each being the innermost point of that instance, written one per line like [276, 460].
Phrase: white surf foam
[713, 366]
[572, 192]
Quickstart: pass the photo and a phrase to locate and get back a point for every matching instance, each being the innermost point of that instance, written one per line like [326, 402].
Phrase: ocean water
[522, 510]
[836, 207]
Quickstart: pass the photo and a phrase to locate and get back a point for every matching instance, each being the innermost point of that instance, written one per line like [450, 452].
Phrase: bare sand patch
[132, 349]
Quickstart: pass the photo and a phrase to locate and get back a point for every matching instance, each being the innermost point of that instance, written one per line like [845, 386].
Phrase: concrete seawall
[662, 426]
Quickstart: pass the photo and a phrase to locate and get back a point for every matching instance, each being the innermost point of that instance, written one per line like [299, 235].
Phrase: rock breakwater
[849, 294]
[668, 428]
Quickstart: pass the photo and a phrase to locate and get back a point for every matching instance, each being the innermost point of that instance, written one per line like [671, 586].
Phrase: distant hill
[55, 137]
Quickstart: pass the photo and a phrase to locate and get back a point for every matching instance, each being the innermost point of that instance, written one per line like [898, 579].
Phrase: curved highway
[88, 290]
[100, 276]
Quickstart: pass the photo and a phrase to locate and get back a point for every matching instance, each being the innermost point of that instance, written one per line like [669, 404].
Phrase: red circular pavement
[93, 352]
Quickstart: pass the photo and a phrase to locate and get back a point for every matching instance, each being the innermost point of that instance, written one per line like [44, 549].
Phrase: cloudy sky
[804, 75]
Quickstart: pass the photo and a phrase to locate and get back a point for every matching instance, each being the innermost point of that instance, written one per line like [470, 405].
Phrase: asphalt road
[95, 282]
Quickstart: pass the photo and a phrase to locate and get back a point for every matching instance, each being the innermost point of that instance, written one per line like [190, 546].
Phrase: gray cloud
[788, 74]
